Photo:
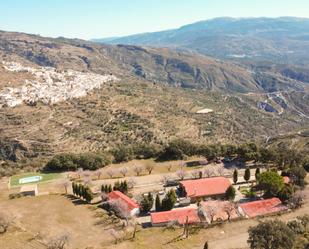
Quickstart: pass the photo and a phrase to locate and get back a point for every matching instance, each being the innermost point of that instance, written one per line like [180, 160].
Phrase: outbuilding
[29, 190]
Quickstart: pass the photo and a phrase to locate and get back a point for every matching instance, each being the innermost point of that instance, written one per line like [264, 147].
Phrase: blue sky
[105, 18]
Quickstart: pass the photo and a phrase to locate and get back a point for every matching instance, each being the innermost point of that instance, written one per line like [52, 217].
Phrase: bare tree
[59, 242]
[138, 170]
[221, 171]
[229, 208]
[181, 174]
[149, 167]
[131, 182]
[195, 173]
[211, 211]
[110, 173]
[86, 174]
[123, 171]
[80, 172]
[297, 199]
[104, 196]
[66, 184]
[169, 167]
[133, 223]
[98, 174]
[182, 164]
[87, 181]
[5, 222]
[209, 172]
[116, 235]
[120, 208]
[201, 213]
[165, 178]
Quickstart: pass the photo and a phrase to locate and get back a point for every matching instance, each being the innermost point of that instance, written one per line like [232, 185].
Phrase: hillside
[155, 98]
[280, 40]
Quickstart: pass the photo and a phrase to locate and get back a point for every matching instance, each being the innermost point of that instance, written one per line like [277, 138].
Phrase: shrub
[271, 183]
[230, 193]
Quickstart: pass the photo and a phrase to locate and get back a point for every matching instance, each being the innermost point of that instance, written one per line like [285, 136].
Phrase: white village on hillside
[50, 85]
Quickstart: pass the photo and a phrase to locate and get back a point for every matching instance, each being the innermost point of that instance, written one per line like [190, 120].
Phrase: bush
[271, 183]
[178, 150]
[169, 201]
[87, 161]
[271, 234]
[123, 154]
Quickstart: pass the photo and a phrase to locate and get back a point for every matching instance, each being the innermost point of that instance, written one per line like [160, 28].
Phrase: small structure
[179, 216]
[214, 187]
[29, 190]
[132, 206]
[261, 207]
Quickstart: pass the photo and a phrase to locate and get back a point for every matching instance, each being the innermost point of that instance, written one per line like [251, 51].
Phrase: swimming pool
[30, 179]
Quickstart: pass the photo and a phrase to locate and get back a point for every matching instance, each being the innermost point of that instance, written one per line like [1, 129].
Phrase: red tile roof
[180, 215]
[262, 207]
[206, 187]
[114, 195]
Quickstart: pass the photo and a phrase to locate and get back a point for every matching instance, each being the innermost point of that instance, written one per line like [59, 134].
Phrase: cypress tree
[78, 190]
[83, 192]
[88, 196]
[257, 173]
[235, 176]
[158, 203]
[109, 188]
[125, 184]
[73, 188]
[247, 174]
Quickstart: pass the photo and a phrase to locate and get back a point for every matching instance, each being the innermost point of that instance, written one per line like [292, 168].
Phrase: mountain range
[280, 40]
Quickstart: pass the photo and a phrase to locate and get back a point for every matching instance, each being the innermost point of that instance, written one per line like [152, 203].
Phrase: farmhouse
[29, 190]
[132, 206]
[179, 216]
[261, 207]
[214, 187]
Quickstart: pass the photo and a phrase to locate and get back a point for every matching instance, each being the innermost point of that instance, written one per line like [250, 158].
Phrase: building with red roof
[261, 207]
[132, 206]
[214, 187]
[179, 216]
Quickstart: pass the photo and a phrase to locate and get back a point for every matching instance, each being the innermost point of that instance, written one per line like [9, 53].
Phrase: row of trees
[121, 186]
[82, 191]
[275, 234]
[247, 174]
[166, 204]
[177, 150]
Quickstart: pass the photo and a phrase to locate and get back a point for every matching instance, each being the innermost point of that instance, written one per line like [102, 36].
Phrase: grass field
[45, 177]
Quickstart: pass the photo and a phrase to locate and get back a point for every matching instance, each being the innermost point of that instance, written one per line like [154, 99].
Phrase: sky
[88, 19]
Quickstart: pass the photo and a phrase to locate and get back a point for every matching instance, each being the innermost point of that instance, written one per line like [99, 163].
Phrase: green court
[17, 180]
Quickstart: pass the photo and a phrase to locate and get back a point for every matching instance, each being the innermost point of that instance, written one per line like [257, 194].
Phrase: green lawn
[45, 177]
